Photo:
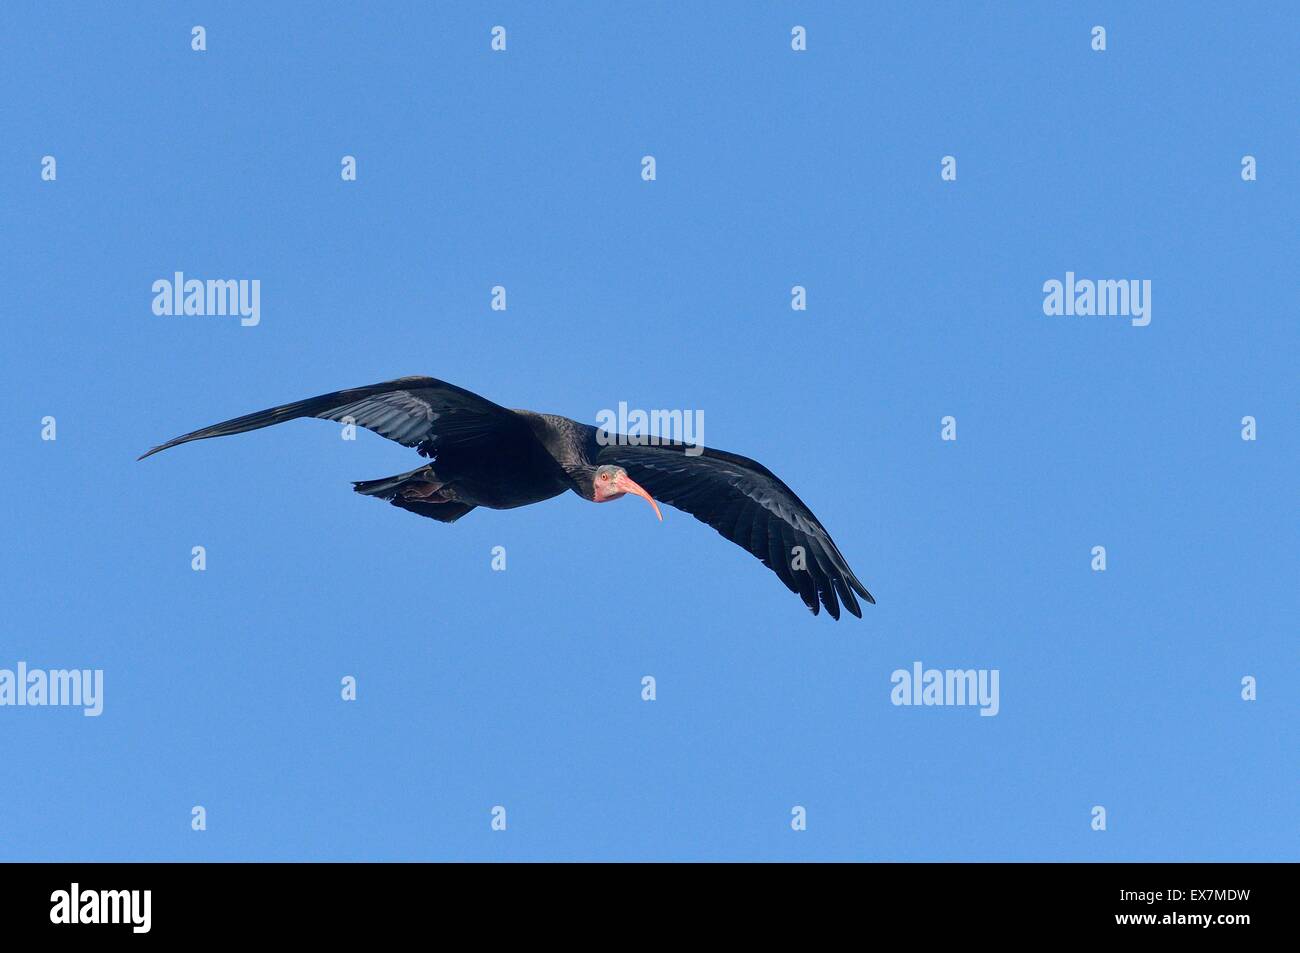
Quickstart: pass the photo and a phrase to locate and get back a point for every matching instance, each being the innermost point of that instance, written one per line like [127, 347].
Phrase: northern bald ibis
[485, 455]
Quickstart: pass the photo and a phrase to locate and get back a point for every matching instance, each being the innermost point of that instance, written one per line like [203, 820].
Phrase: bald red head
[611, 482]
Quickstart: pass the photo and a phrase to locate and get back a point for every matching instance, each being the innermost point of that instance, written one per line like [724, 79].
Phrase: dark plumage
[482, 454]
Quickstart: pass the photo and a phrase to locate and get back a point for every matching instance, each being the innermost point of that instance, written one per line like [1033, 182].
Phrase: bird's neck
[584, 480]
[573, 447]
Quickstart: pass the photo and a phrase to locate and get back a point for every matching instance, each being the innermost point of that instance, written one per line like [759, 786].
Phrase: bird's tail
[390, 489]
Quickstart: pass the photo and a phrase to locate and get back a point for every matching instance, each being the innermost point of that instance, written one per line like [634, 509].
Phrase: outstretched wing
[749, 505]
[420, 412]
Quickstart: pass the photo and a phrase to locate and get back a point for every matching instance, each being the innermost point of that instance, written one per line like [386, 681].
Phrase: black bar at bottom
[335, 901]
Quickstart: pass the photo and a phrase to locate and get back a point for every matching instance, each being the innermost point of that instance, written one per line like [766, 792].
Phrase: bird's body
[482, 454]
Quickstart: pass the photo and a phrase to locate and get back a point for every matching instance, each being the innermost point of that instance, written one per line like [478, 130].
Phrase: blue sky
[774, 168]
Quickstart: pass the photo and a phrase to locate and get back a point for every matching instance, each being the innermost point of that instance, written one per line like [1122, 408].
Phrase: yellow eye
[604, 476]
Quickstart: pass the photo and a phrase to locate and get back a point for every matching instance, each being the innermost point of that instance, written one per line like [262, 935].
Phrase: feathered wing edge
[752, 507]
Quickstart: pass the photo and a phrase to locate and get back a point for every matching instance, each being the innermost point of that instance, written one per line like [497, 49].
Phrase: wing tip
[860, 589]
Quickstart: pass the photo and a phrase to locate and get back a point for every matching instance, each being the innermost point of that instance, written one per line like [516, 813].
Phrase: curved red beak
[626, 484]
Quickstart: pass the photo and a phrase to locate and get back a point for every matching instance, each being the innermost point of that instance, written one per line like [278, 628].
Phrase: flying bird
[482, 454]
